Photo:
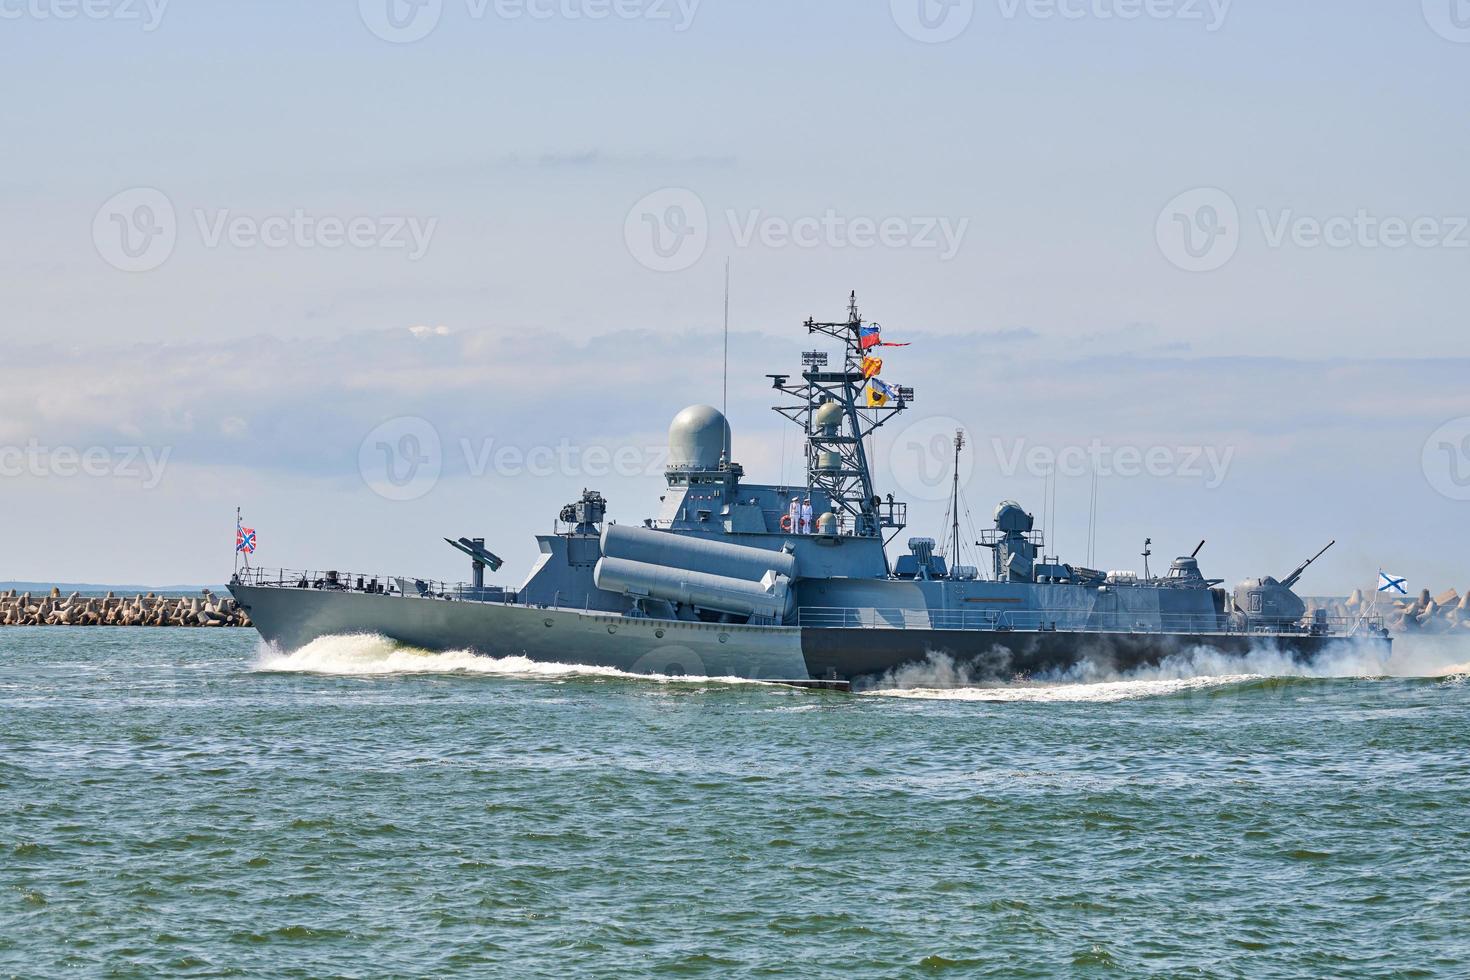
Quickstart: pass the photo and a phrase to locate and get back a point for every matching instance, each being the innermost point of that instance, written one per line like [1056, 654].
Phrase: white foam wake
[1035, 691]
[1199, 668]
[367, 655]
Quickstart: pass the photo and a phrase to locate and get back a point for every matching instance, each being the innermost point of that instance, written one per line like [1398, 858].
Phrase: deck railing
[1058, 620]
[336, 580]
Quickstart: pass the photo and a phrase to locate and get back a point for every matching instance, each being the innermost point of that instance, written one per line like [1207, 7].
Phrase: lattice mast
[836, 452]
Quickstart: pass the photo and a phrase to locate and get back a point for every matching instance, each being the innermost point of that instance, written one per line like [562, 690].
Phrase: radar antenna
[1146, 552]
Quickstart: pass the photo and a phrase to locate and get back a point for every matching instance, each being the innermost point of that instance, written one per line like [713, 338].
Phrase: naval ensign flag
[1392, 583]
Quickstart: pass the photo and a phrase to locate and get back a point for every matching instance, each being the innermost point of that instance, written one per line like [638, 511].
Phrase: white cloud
[1320, 449]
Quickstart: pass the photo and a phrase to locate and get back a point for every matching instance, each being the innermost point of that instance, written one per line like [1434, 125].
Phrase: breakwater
[1448, 612]
[54, 609]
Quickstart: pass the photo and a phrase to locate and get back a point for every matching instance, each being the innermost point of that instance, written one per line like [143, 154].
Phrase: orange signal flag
[872, 366]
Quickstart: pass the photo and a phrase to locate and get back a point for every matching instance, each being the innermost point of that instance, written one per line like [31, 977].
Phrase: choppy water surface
[185, 802]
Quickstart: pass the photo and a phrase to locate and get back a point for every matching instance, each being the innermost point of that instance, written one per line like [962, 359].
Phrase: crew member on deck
[806, 516]
[793, 517]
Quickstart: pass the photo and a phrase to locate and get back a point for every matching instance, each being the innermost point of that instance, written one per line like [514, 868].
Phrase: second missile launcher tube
[769, 599]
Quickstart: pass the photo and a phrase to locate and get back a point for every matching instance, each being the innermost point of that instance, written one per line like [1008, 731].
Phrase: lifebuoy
[787, 524]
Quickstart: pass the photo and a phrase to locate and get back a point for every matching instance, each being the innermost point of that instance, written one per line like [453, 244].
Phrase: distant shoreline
[69, 587]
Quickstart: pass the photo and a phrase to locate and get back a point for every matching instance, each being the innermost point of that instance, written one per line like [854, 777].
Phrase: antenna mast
[836, 443]
[959, 444]
[725, 378]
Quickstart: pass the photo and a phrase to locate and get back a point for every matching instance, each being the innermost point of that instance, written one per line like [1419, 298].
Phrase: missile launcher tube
[770, 597]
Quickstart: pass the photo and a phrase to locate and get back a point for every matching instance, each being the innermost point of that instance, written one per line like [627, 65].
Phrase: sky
[253, 254]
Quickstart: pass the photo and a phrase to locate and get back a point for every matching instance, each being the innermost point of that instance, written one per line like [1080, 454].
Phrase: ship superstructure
[794, 582]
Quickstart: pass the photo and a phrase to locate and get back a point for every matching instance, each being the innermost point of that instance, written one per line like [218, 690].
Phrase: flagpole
[237, 541]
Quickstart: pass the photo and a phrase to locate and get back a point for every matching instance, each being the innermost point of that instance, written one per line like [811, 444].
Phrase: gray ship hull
[999, 656]
[292, 618]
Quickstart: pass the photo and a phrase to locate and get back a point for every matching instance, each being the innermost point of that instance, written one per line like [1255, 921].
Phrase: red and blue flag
[870, 335]
[245, 539]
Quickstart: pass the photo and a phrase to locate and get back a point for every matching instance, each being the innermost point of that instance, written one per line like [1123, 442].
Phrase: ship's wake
[1199, 669]
[371, 655]
[1190, 670]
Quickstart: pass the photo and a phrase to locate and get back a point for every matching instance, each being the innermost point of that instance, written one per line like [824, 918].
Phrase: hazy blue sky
[238, 238]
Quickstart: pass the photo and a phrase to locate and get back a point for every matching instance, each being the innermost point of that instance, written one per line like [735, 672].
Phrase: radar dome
[828, 416]
[698, 436]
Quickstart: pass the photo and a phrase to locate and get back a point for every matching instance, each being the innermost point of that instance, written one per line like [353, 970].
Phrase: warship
[794, 583]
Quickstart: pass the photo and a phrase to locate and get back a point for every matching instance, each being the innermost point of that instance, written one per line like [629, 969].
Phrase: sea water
[192, 803]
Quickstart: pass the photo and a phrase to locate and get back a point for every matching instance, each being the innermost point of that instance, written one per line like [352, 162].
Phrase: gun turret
[1291, 580]
[1268, 603]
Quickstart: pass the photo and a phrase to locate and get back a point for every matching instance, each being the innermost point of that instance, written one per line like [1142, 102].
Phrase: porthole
[724, 637]
[612, 629]
[659, 634]
[548, 624]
